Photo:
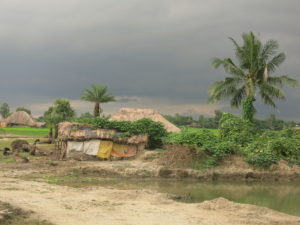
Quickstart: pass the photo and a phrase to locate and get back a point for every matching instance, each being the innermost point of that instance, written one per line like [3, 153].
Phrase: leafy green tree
[97, 94]
[51, 120]
[4, 110]
[251, 75]
[59, 112]
[23, 109]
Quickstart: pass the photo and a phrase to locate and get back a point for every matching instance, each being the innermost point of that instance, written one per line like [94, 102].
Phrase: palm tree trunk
[100, 110]
[97, 110]
[248, 109]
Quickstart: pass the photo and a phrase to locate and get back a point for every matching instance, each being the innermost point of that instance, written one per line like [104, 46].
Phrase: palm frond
[238, 97]
[228, 65]
[97, 94]
[275, 61]
[269, 49]
[272, 91]
[282, 80]
[223, 89]
[268, 100]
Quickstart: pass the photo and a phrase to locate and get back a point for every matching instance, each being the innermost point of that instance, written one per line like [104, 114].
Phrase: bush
[283, 144]
[264, 159]
[192, 138]
[155, 130]
[236, 129]
[203, 140]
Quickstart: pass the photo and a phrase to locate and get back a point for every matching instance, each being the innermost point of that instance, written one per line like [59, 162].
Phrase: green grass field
[24, 131]
[214, 131]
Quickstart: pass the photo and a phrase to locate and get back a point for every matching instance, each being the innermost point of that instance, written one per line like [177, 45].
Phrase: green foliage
[248, 109]
[212, 145]
[263, 159]
[236, 129]
[155, 130]
[4, 110]
[282, 144]
[201, 122]
[271, 122]
[261, 148]
[97, 94]
[193, 138]
[59, 112]
[250, 75]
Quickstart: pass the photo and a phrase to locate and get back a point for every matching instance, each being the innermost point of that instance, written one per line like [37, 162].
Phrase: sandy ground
[101, 206]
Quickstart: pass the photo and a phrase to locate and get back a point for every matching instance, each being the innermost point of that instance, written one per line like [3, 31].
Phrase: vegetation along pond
[283, 197]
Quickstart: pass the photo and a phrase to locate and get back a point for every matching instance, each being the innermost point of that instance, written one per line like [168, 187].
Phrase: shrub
[204, 140]
[192, 138]
[283, 144]
[263, 159]
[236, 129]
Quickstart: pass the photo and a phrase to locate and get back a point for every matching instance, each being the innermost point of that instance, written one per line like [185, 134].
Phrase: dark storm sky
[150, 53]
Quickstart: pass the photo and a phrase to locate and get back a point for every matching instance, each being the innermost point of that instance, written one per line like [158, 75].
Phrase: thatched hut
[22, 118]
[81, 141]
[131, 114]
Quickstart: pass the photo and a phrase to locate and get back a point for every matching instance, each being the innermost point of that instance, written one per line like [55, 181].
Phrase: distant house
[22, 118]
[2, 121]
[131, 114]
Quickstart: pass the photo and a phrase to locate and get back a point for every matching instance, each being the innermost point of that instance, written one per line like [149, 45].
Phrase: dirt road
[101, 206]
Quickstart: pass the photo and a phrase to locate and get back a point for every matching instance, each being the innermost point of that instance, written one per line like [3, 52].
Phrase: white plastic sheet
[91, 147]
[74, 146]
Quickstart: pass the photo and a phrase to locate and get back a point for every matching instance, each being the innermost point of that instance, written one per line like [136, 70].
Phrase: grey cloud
[153, 49]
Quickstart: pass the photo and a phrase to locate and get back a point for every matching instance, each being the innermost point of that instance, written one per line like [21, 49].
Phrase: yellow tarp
[123, 151]
[105, 149]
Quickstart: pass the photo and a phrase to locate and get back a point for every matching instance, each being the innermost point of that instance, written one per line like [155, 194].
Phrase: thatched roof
[130, 114]
[21, 118]
[68, 131]
[1, 118]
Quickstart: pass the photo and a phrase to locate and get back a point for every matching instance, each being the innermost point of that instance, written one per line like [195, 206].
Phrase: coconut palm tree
[97, 94]
[250, 75]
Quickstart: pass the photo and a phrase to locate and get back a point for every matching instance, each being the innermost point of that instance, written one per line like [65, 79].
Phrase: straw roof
[21, 118]
[131, 114]
[1, 118]
[68, 131]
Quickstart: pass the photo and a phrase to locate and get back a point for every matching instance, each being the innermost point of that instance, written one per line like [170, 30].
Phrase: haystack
[130, 114]
[21, 118]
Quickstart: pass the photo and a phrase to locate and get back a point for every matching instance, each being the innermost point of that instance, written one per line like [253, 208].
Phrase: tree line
[270, 123]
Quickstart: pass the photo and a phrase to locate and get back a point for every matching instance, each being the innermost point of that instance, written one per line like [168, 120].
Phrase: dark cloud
[151, 49]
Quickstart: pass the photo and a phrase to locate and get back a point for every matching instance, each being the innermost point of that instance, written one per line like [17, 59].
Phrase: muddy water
[283, 197]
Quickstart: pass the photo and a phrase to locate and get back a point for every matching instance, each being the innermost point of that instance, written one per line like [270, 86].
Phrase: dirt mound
[179, 156]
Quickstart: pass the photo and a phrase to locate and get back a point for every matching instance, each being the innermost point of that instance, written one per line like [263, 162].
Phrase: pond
[283, 197]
